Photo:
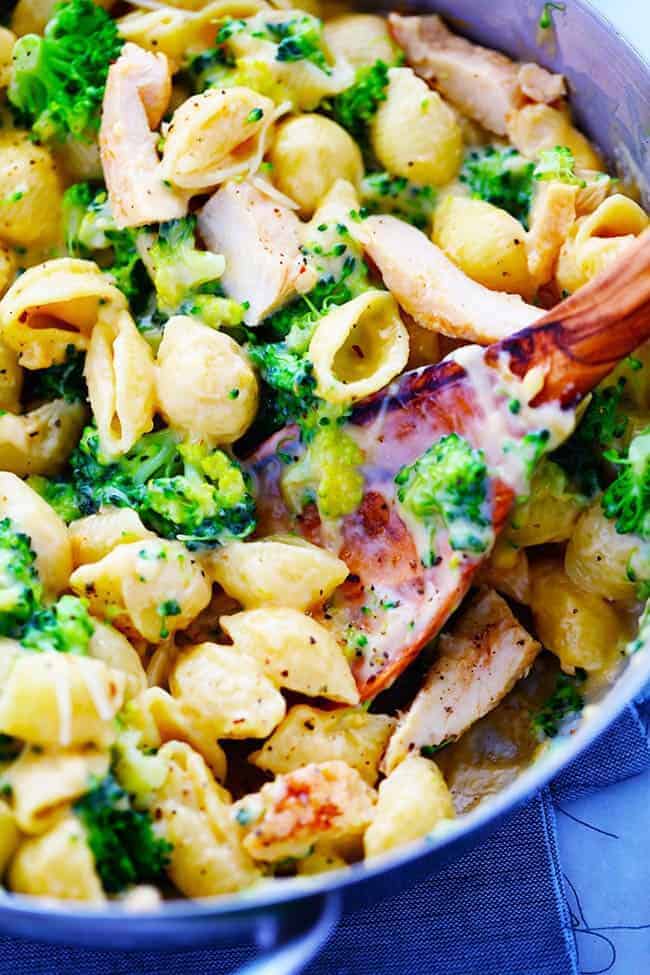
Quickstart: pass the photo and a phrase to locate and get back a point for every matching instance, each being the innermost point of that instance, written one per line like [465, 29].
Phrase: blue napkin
[499, 910]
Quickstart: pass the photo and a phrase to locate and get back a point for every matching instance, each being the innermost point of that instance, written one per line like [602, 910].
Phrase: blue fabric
[499, 910]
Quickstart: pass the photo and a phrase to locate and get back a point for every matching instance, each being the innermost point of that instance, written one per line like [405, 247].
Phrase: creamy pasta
[223, 241]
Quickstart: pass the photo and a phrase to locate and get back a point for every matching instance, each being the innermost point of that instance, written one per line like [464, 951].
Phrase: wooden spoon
[504, 399]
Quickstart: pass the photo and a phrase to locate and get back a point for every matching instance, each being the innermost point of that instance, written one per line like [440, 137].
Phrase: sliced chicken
[318, 802]
[137, 94]
[479, 661]
[552, 214]
[433, 291]
[484, 84]
[259, 239]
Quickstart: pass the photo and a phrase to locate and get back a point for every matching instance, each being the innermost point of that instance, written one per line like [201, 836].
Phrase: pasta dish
[278, 592]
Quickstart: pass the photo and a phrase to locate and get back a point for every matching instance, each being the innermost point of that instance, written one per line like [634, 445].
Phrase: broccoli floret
[59, 494]
[447, 486]
[290, 376]
[355, 107]
[627, 499]
[65, 627]
[383, 193]
[502, 177]
[180, 490]
[178, 268]
[91, 232]
[58, 80]
[581, 456]
[122, 840]
[299, 39]
[328, 474]
[557, 164]
[20, 587]
[566, 699]
[63, 381]
[209, 68]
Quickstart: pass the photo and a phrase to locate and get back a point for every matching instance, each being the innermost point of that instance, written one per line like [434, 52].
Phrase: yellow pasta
[359, 347]
[48, 536]
[58, 864]
[295, 652]
[206, 386]
[110, 646]
[307, 734]
[537, 127]
[9, 835]
[147, 589]
[158, 718]
[44, 782]
[550, 511]
[284, 571]
[412, 801]
[225, 691]
[486, 243]
[360, 39]
[415, 133]
[30, 190]
[579, 627]
[599, 559]
[193, 813]
[40, 441]
[594, 241]
[60, 699]
[121, 382]
[54, 306]
[7, 41]
[215, 136]
[309, 153]
[551, 218]
[11, 379]
[95, 536]
[7, 268]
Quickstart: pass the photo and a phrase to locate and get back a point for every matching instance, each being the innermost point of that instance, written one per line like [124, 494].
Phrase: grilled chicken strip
[436, 293]
[137, 94]
[480, 660]
[484, 84]
[260, 240]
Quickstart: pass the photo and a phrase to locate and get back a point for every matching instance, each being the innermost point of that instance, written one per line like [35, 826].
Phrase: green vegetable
[20, 587]
[327, 474]
[447, 487]
[65, 627]
[122, 840]
[59, 494]
[546, 18]
[299, 39]
[355, 107]
[627, 499]
[179, 269]
[91, 232]
[58, 80]
[581, 456]
[63, 381]
[383, 193]
[566, 699]
[557, 164]
[290, 377]
[180, 490]
[502, 177]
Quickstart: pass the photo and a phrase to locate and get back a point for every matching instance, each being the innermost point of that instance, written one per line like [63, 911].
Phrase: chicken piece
[259, 239]
[433, 290]
[484, 84]
[552, 214]
[137, 93]
[327, 802]
[480, 661]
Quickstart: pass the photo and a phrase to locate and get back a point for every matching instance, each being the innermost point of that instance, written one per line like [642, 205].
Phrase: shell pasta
[224, 239]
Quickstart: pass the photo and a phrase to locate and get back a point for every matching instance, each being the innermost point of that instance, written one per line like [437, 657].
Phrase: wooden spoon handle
[581, 339]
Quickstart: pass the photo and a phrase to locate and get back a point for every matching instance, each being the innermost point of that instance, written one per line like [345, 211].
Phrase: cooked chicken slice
[484, 84]
[553, 212]
[433, 290]
[259, 239]
[288, 816]
[137, 93]
[480, 660]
